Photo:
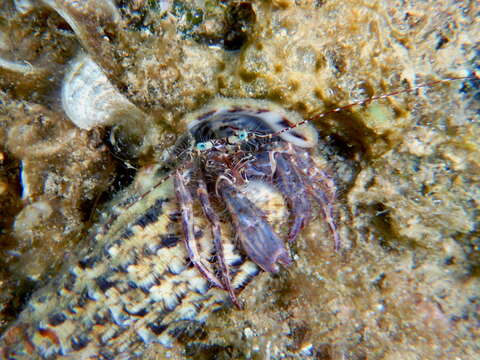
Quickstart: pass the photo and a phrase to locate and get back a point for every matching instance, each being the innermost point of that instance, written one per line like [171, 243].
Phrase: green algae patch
[379, 118]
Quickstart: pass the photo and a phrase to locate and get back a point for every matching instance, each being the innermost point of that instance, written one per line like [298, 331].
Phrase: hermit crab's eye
[242, 135]
[238, 137]
[202, 146]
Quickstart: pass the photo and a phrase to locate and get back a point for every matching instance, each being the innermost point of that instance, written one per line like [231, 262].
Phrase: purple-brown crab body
[234, 143]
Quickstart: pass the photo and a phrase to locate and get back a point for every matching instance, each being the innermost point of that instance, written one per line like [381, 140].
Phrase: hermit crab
[231, 144]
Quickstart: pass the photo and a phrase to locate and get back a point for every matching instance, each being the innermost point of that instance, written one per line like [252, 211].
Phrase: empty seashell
[90, 100]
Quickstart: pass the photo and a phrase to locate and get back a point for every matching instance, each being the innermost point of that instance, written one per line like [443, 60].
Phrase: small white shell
[31, 216]
[23, 6]
[90, 100]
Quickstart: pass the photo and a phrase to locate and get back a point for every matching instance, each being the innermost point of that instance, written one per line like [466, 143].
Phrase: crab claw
[258, 239]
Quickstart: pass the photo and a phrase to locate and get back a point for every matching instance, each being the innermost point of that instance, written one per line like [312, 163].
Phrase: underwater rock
[406, 284]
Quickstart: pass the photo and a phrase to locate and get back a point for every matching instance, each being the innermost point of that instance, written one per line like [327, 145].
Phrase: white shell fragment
[31, 215]
[90, 100]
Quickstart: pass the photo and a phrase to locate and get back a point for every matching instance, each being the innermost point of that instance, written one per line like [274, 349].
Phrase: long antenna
[365, 101]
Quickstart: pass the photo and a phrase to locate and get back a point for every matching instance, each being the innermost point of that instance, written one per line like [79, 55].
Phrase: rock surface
[405, 284]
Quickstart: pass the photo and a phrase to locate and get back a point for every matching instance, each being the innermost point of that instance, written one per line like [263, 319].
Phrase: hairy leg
[289, 182]
[322, 188]
[185, 200]
[217, 239]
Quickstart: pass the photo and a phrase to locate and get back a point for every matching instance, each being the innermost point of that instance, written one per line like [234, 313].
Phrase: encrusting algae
[405, 283]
